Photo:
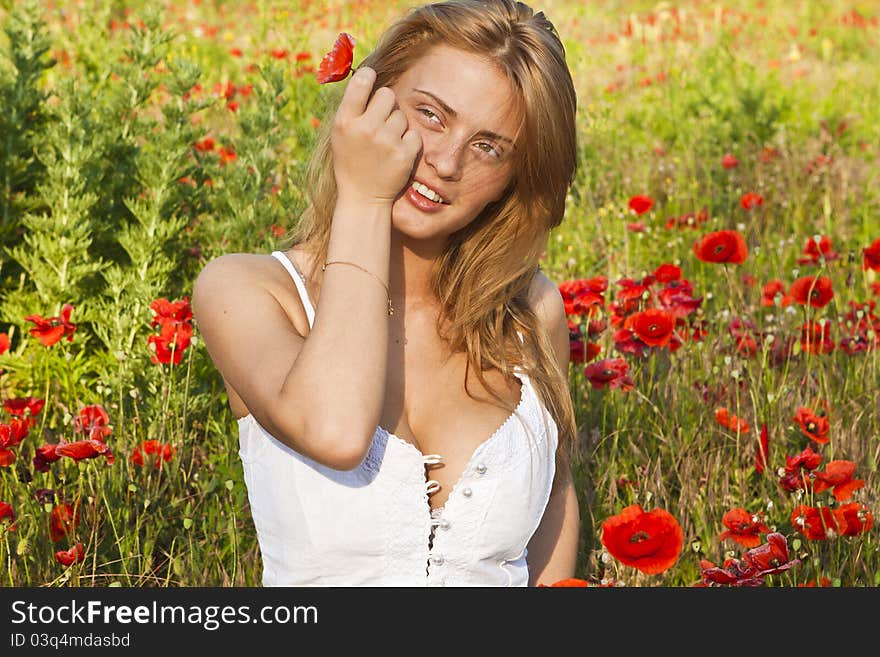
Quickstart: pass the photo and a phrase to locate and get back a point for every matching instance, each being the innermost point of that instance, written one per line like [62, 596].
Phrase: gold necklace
[305, 282]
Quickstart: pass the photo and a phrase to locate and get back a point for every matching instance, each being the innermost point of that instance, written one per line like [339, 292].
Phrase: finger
[357, 93]
[397, 122]
[380, 106]
[413, 141]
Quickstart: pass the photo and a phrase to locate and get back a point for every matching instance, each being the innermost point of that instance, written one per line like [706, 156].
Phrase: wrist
[358, 201]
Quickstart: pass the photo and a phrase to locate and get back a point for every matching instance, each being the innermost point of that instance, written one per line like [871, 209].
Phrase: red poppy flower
[807, 460]
[161, 452]
[768, 559]
[633, 293]
[22, 406]
[654, 327]
[854, 518]
[170, 343]
[92, 420]
[63, 521]
[611, 372]
[224, 89]
[626, 342]
[815, 524]
[812, 290]
[813, 426]
[4, 343]
[797, 473]
[729, 161]
[76, 554]
[743, 527]
[771, 291]
[6, 512]
[176, 312]
[732, 422]
[569, 582]
[678, 300]
[819, 582]
[14, 432]
[751, 200]
[640, 204]
[762, 451]
[43, 456]
[278, 53]
[666, 273]
[85, 449]
[650, 542]
[814, 251]
[226, 154]
[205, 145]
[722, 246]
[815, 338]
[577, 354]
[771, 558]
[583, 296]
[688, 220]
[336, 64]
[51, 330]
[871, 255]
[838, 475]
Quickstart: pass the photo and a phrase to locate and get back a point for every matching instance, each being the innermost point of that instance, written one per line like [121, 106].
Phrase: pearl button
[466, 492]
[481, 469]
[445, 524]
[437, 560]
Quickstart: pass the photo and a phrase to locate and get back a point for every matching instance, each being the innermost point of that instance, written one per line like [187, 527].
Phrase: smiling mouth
[428, 193]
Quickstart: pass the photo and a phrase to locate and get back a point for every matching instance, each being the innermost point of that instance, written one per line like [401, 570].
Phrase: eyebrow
[446, 108]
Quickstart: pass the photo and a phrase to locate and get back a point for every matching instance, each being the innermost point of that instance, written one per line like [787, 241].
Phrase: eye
[489, 149]
[428, 114]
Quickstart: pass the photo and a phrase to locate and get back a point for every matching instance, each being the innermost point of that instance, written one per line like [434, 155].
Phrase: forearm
[553, 549]
[343, 361]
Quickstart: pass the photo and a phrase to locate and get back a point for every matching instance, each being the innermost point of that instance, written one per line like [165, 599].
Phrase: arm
[552, 550]
[308, 393]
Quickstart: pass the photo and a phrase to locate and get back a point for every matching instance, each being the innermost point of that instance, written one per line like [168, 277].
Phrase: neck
[410, 271]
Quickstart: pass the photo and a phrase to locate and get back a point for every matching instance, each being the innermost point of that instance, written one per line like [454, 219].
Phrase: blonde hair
[482, 278]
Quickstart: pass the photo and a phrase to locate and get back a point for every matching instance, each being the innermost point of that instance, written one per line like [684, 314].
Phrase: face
[463, 108]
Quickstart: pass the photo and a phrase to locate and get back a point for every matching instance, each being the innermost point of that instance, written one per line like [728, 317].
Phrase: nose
[443, 153]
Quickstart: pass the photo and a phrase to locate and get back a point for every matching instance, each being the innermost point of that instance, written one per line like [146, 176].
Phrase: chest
[433, 400]
[438, 404]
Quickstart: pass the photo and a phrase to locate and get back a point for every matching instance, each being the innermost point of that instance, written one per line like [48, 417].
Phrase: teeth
[427, 192]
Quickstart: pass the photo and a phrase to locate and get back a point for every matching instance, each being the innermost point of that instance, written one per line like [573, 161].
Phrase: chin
[415, 225]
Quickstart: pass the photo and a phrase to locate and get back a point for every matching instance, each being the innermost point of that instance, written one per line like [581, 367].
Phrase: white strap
[432, 486]
[432, 459]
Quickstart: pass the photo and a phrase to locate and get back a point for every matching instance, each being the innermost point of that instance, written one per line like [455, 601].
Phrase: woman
[352, 359]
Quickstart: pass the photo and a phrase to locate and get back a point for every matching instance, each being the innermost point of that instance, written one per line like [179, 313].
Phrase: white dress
[374, 526]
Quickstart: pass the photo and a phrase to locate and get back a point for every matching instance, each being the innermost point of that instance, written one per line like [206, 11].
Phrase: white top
[373, 525]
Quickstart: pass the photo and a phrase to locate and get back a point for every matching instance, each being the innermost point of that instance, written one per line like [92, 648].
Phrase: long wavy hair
[482, 278]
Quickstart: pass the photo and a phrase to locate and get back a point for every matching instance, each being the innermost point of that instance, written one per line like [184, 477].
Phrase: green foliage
[22, 64]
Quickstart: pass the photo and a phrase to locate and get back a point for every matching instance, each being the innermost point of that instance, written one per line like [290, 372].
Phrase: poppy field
[719, 262]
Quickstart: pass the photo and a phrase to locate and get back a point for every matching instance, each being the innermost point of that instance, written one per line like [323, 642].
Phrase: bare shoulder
[546, 301]
[250, 278]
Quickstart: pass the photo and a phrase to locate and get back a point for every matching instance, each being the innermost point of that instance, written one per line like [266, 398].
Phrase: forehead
[470, 84]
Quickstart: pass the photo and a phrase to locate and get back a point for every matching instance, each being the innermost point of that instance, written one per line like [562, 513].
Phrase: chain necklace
[305, 282]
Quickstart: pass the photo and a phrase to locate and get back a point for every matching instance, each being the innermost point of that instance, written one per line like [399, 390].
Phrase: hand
[374, 150]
